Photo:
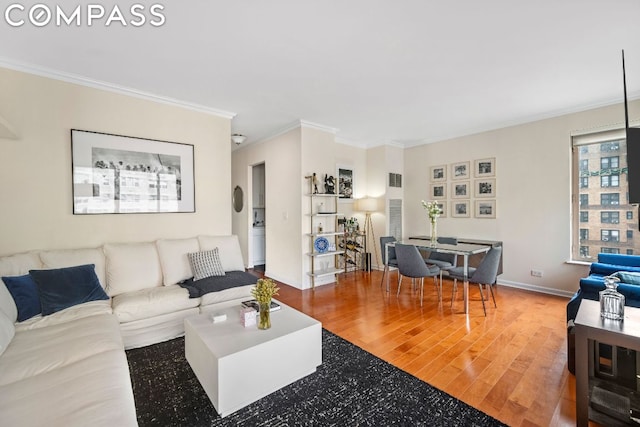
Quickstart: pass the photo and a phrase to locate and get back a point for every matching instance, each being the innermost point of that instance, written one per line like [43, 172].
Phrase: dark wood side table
[590, 327]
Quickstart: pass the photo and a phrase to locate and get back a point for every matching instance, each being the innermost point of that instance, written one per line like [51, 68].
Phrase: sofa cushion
[24, 291]
[93, 308]
[226, 295]
[131, 267]
[173, 258]
[60, 288]
[94, 391]
[152, 302]
[15, 265]
[73, 257]
[206, 264]
[229, 249]
[629, 277]
[7, 331]
[37, 351]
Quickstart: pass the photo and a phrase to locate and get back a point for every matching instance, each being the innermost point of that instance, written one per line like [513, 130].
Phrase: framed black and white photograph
[460, 190]
[443, 209]
[114, 174]
[345, 183]
[460, 209]
[460, 170]
[485, 209]
[485, 187]
[438, 191]
[485, 167]
[438, 173]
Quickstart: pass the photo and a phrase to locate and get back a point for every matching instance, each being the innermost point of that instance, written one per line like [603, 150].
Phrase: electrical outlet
[536, 273]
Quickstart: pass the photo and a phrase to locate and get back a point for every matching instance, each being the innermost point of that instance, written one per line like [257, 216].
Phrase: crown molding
[317, 126]
[109, 87]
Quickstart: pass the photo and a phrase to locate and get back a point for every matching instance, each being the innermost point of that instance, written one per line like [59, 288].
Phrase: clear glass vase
[611, 301]
[264, 317]
[434, 233]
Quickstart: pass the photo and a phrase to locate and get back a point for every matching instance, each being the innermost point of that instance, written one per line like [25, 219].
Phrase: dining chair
[411, 264]
[485, 274]
[392, 261]
[444, 261]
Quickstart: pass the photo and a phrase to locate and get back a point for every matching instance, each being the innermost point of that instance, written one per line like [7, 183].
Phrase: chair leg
[421, 290]
[482, 298]
[399, 284]
[454, 290]
[492, 295]
[384, 273]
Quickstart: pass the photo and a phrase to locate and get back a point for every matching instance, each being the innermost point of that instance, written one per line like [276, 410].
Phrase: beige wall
[533, 163]
[283, 197]
[36, 167]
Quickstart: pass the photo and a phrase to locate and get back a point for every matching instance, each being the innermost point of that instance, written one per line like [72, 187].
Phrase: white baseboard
[534, 288]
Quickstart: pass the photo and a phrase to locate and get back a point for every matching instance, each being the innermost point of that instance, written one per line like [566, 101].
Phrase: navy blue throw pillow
[61, 288]
[25, 294]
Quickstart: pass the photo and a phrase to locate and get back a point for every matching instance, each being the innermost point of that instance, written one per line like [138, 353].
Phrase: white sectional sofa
[69, 368]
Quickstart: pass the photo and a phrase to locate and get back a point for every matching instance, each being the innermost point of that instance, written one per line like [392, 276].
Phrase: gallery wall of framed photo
[465, 189]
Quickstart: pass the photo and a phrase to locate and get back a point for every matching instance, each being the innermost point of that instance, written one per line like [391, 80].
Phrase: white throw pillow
[173, 258]
[206, 264]
[72, 257]
[229, 250]
[7, 331]
[131, 267]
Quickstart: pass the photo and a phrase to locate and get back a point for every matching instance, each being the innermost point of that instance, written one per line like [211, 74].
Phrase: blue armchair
[591, 286]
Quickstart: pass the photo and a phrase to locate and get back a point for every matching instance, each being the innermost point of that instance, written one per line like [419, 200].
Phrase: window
[608, 217]
[610, 235]
[610, 250]
[610, 198]
[601, 213]
[584, 182]
[629, 234]
[629, 251]
[610, 146]
[609, 162]
[609, 180]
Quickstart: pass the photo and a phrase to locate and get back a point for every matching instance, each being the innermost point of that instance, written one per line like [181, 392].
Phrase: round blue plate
[321, 244]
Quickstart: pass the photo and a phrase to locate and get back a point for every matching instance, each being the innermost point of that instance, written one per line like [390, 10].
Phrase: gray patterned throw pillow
[205, 264]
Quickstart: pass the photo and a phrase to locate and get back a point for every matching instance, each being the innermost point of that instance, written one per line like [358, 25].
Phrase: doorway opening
[258, 219]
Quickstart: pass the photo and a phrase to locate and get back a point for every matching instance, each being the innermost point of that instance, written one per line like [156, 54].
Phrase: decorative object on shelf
[315, 183]
[345, 183]
[433, 211]
[352, 225]
[611, 301]
[263, 292]
[329, 184]
[321, 244]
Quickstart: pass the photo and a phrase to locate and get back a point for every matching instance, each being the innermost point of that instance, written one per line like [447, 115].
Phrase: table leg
[465, 286]
[582, 378]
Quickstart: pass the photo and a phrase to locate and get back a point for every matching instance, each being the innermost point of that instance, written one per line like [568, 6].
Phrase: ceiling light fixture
[238, 139]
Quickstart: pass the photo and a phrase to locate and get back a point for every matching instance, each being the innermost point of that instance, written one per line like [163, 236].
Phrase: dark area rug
[351, 388]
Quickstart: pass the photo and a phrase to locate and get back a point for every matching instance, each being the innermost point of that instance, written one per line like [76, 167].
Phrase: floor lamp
[368, 205]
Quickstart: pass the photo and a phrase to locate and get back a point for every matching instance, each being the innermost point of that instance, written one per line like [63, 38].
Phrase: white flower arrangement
[433, 210]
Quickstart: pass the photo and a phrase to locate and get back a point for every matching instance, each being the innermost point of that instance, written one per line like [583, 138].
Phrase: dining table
[465, 250]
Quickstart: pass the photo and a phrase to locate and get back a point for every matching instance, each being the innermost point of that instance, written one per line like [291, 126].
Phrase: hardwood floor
[510, 364]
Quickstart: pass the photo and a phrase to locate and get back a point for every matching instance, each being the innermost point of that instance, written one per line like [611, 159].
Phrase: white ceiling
[379, 71]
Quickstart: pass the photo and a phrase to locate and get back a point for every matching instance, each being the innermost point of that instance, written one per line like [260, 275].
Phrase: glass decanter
[611, 301]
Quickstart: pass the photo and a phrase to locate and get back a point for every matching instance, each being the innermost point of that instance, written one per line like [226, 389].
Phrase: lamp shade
[367, 204]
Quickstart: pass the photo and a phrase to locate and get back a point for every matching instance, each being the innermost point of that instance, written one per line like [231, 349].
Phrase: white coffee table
[237, 366]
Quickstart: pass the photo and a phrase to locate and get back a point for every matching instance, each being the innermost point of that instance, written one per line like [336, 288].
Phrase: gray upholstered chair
[411, 264]
[392, 261]
[444, 261]
[486, 274]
